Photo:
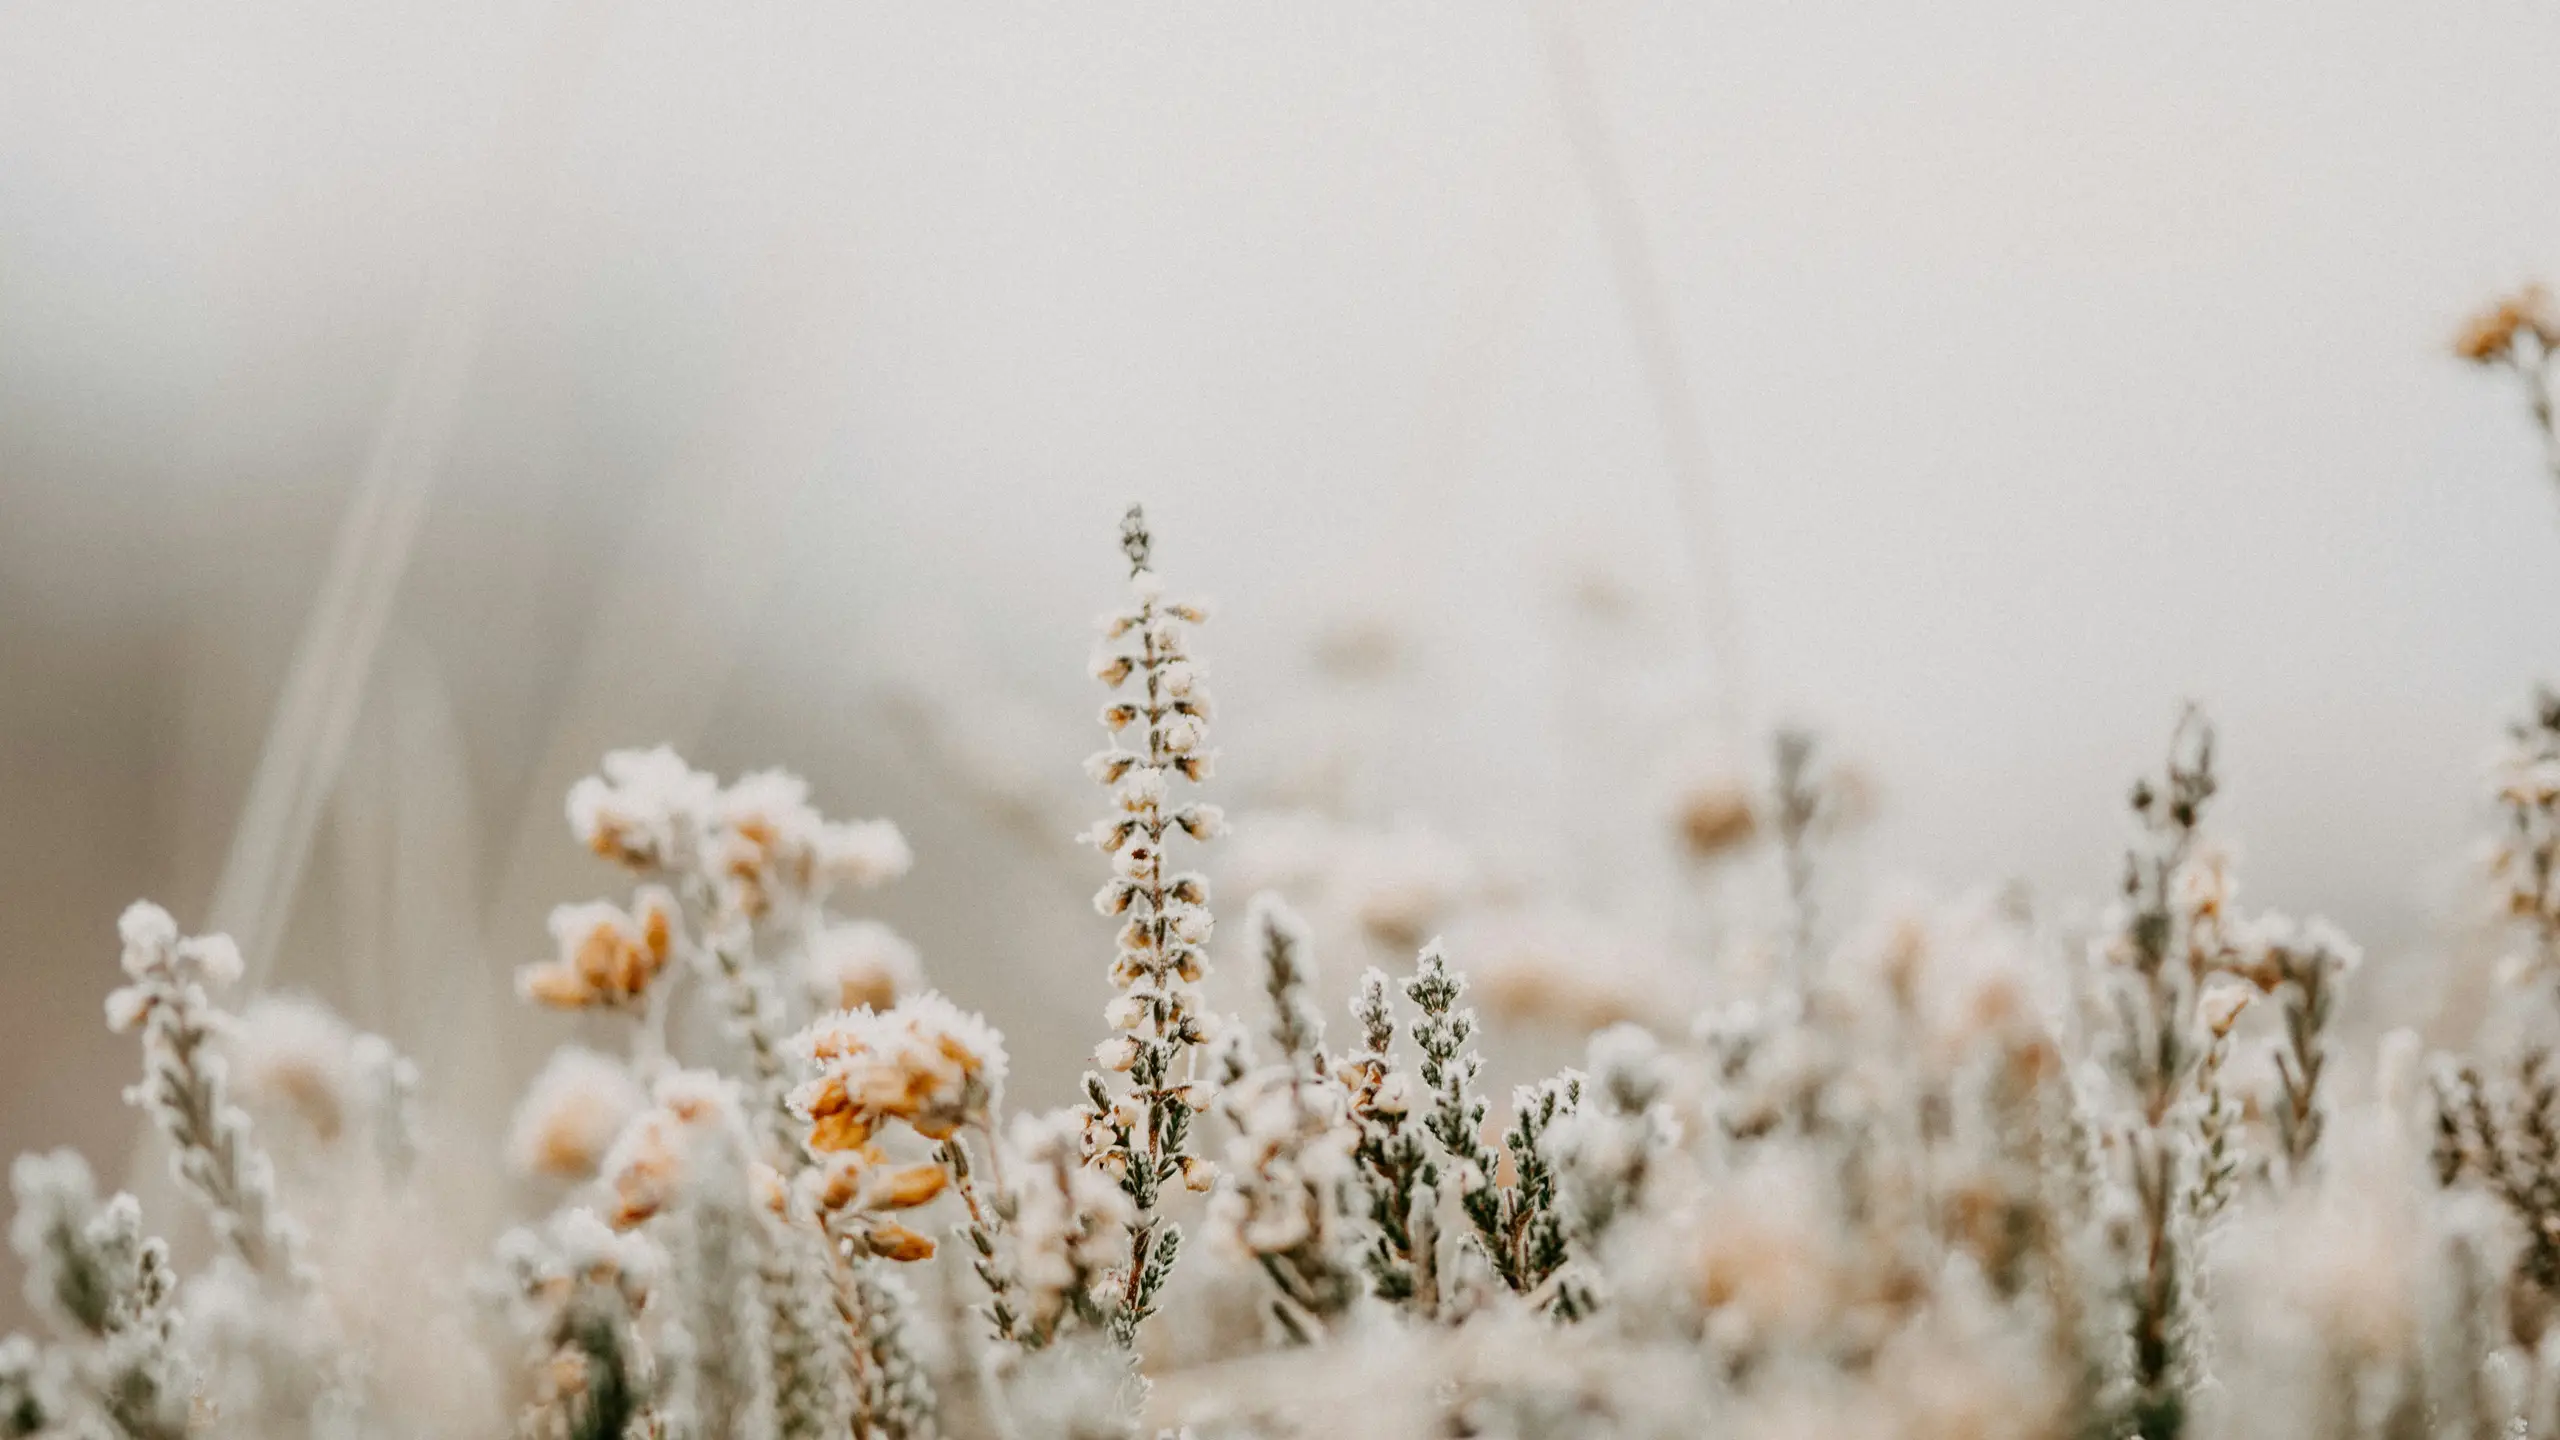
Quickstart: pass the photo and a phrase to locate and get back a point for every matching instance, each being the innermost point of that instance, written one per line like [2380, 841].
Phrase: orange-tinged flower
[2490, 336]
[646, 1168]
[908, 1186]
[926, 1062]
[892, 1241]
[607, 956]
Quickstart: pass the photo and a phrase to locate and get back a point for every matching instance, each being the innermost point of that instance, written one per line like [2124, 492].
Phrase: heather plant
[1926, 1166]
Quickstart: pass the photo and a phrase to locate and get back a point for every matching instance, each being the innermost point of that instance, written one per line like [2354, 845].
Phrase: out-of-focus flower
[572, 1114]
[757, 843]
[768, 846]
[1568, 972]
[291, 1053]
[647, 810]
[2490, 335]
[1713, 816]
[859, 965]
[649, 1162]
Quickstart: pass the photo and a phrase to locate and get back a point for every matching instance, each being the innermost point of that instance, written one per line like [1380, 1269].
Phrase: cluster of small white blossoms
[927, 1065]
[757, 843]
[733, 854]
[1141, 1136]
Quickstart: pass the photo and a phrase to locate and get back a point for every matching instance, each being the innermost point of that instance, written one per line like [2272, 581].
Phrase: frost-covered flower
[926, 1062]
[572, 1114]
[756, 843]
[648, 809]
[769, 847]
[607, 956]
[157, 958]
[651, 1160]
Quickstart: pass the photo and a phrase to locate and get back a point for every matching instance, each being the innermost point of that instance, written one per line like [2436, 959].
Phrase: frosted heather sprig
[2302, 967]
[898, 1400]
[720, 1329]
[1142, 1137]
[1395, 1169]
[1514, 1225]
[1284, 1197]
[1528, 1242]
[1607, 1150]
[813, 1373]
[2525, 859]
[185, 1087]
[990, 1215]
[2174, 930]
[2508, 1140]
[575, 1288]
[107, 1289]
[31, 1386]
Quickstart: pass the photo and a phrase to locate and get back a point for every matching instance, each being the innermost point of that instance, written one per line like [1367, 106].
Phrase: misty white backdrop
[790, 364]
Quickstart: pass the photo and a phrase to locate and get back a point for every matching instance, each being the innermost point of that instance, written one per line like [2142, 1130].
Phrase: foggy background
[1975, 382]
